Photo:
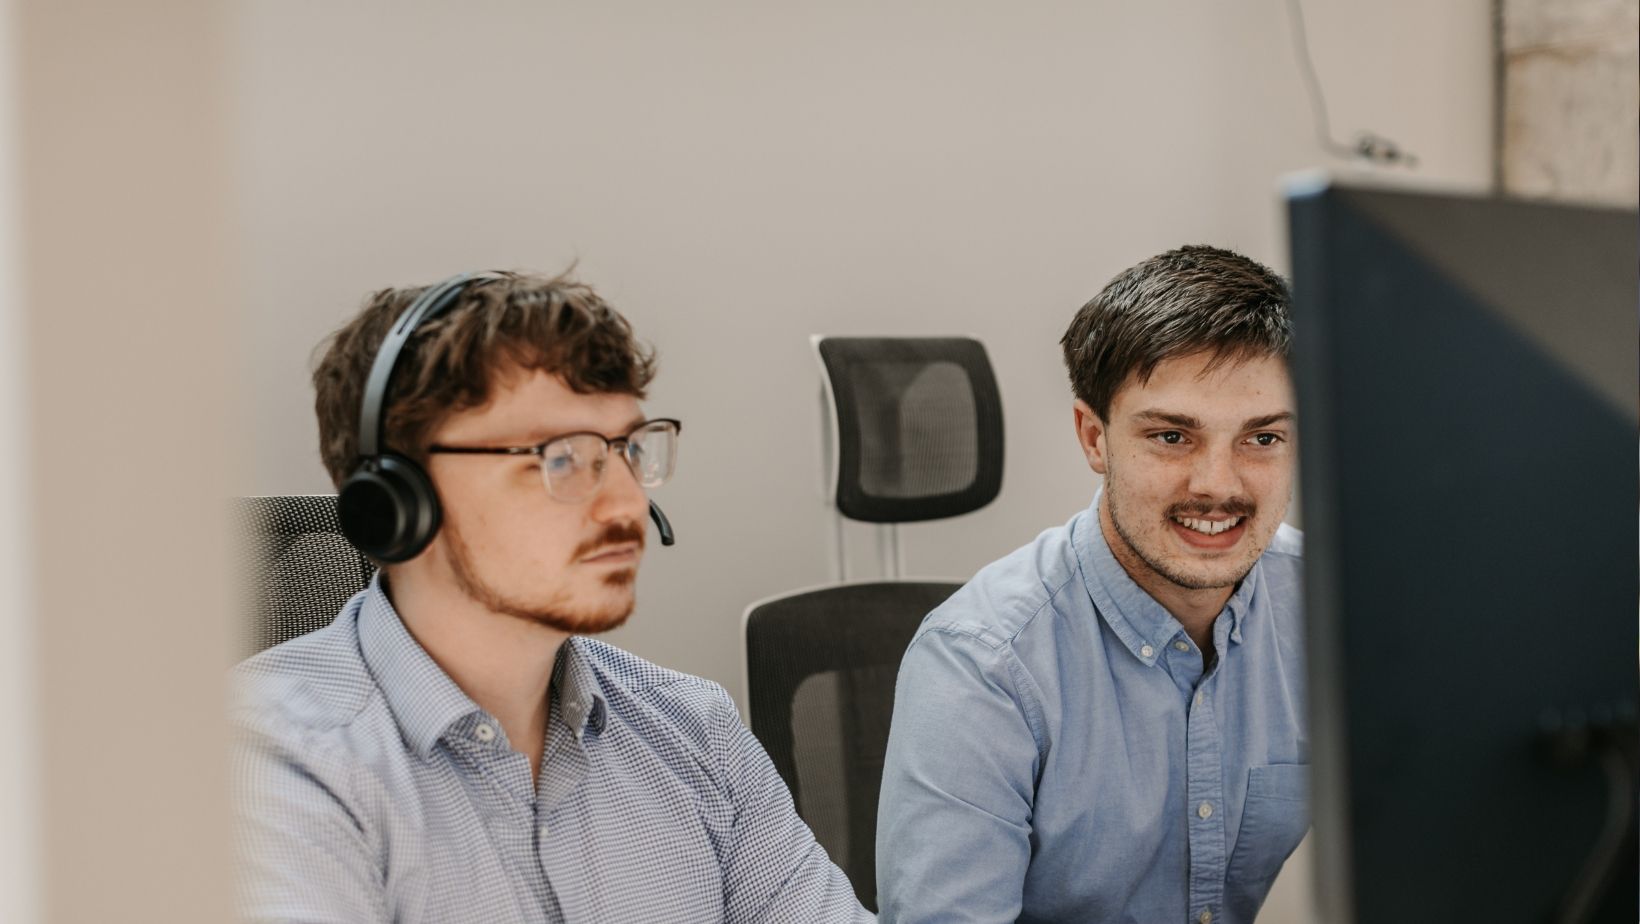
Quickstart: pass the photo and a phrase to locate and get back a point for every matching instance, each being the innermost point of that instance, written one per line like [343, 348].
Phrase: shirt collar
[581, 703]
[1142, 624]
[424, 700]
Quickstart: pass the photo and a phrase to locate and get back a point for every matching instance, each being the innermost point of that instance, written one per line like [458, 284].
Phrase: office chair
[296, 569]
[914, 433]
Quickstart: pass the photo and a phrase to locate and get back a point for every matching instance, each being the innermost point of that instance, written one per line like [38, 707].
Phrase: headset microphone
[662, 524]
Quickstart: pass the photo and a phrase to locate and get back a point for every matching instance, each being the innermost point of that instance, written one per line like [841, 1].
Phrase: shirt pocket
[1274, 818]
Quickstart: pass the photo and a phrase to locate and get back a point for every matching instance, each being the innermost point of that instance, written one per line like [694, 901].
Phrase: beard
[1184, 574]
[558, 612]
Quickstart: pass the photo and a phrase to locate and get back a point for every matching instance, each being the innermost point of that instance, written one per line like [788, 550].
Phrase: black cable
[1312, 83]
[1594, 878]
[1367, 146]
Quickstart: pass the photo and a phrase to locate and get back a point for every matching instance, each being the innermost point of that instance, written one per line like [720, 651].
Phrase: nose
[1215, 474]
[620, 498]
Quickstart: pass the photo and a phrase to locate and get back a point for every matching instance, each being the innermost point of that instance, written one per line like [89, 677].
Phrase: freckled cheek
[1166, 472]
[1153, 482]
[1269, 483]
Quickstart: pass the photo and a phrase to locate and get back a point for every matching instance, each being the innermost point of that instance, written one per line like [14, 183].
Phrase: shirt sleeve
[303, 855]
[954, 819]
[774, 869]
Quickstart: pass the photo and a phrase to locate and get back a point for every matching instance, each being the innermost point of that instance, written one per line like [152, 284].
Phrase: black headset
[387, 506]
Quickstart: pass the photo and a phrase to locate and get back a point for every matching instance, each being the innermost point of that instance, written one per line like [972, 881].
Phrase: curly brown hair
[502, 322]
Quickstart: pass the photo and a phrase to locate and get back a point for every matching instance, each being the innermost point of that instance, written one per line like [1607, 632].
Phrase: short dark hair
[501, 322]
[1190, 300]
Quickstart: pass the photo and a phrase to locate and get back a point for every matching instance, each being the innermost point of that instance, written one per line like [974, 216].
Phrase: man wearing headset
[453, 747]
[1108, 724]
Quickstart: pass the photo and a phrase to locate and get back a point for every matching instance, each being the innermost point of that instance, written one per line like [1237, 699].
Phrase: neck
[503, 662]
[1195, 609]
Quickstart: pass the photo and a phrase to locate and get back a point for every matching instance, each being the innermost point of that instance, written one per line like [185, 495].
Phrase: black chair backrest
[295, 566]
[917, 426]
[821, 666]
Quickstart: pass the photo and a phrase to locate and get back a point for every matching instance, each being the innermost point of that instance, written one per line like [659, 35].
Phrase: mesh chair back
[821, 666]
[296, 567]
[918, 426]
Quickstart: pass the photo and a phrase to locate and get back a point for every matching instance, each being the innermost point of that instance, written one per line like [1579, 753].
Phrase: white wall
[736, 176]
[19, 768]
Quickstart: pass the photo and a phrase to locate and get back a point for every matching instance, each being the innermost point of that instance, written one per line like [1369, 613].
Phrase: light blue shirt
[370, 788]
[1059, 753]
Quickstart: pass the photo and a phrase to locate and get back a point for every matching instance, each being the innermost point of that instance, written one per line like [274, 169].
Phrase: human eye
[560, 458]
[1168, 438]
[1266, 440]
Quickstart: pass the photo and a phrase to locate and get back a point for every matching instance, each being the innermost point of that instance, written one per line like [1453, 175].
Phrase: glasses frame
[539, 450]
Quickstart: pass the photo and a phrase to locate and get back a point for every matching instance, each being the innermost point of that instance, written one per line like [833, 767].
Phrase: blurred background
[193, 194]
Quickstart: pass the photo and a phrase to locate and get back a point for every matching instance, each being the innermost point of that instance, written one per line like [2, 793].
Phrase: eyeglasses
[572, 465]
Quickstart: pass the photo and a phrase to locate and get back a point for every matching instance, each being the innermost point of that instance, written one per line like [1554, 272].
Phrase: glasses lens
[573, 466]
[652, 450]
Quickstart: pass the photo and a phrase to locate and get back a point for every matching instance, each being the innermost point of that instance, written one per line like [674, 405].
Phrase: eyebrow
[1186, 422]
[1259, 423]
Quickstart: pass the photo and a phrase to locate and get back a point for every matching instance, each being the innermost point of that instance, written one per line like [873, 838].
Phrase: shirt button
[1146, 651]
[1199, 697]
[1206, 917]
[485, 732]
[1182, 645]
[1205, 810]
[541, 832]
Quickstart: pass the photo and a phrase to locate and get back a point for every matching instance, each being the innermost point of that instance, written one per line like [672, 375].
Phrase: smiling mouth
[1208, 527]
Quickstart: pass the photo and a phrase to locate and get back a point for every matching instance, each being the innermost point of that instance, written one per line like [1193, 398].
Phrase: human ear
[1090, 433]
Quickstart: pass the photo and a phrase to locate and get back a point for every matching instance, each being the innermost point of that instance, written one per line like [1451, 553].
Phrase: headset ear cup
[388, 509]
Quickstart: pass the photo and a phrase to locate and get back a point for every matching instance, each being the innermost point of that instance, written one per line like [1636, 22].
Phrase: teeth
[1207, 527]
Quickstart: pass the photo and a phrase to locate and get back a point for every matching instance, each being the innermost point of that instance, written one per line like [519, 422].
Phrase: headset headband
[432, 302]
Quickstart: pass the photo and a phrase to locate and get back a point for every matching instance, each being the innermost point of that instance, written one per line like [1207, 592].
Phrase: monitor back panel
[1466, 373]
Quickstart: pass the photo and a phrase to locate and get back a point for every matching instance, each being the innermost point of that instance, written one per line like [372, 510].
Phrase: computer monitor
[1469, 399]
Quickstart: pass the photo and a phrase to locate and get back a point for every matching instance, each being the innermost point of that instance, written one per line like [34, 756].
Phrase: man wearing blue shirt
[452, 747]
[1108, 724]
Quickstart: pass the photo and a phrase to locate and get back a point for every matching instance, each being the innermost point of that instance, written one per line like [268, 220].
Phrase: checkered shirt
[370, 788]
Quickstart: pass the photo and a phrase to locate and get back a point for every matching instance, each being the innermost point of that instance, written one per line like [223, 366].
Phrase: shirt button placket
[1205, 788]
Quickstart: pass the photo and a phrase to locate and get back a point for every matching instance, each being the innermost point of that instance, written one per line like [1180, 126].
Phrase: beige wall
[117, 301]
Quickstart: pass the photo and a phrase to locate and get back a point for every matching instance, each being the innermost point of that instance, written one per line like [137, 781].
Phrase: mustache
[1234, 507]
[613, 534]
